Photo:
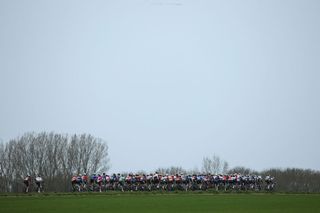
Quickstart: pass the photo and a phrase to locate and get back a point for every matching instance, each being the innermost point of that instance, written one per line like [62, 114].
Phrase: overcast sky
[167, 82]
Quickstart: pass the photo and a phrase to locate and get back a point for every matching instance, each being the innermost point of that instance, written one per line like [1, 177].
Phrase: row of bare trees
[53, 156]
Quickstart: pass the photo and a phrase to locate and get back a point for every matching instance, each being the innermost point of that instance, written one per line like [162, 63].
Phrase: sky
[167, 82]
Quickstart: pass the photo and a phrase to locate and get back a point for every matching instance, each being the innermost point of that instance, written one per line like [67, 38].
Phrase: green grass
[129, 203]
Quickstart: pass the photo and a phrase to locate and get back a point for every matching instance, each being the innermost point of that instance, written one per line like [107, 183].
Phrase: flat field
[148, 202]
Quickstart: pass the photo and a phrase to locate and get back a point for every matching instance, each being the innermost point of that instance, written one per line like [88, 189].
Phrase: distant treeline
[289, 179]
[295, 180]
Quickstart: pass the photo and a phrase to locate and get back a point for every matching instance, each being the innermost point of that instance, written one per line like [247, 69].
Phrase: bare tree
[214, 165]
[225, 167]
[207, 165]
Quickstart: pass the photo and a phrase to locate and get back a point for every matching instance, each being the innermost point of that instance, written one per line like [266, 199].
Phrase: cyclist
[84, 181]
[39, 182]
[27, 183]
[99, 181]
[74, 182]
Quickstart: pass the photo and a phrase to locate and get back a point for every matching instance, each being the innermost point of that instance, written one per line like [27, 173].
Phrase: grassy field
[235, 203]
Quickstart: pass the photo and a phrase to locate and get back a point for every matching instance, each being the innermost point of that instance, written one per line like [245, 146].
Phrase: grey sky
[167, 82]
